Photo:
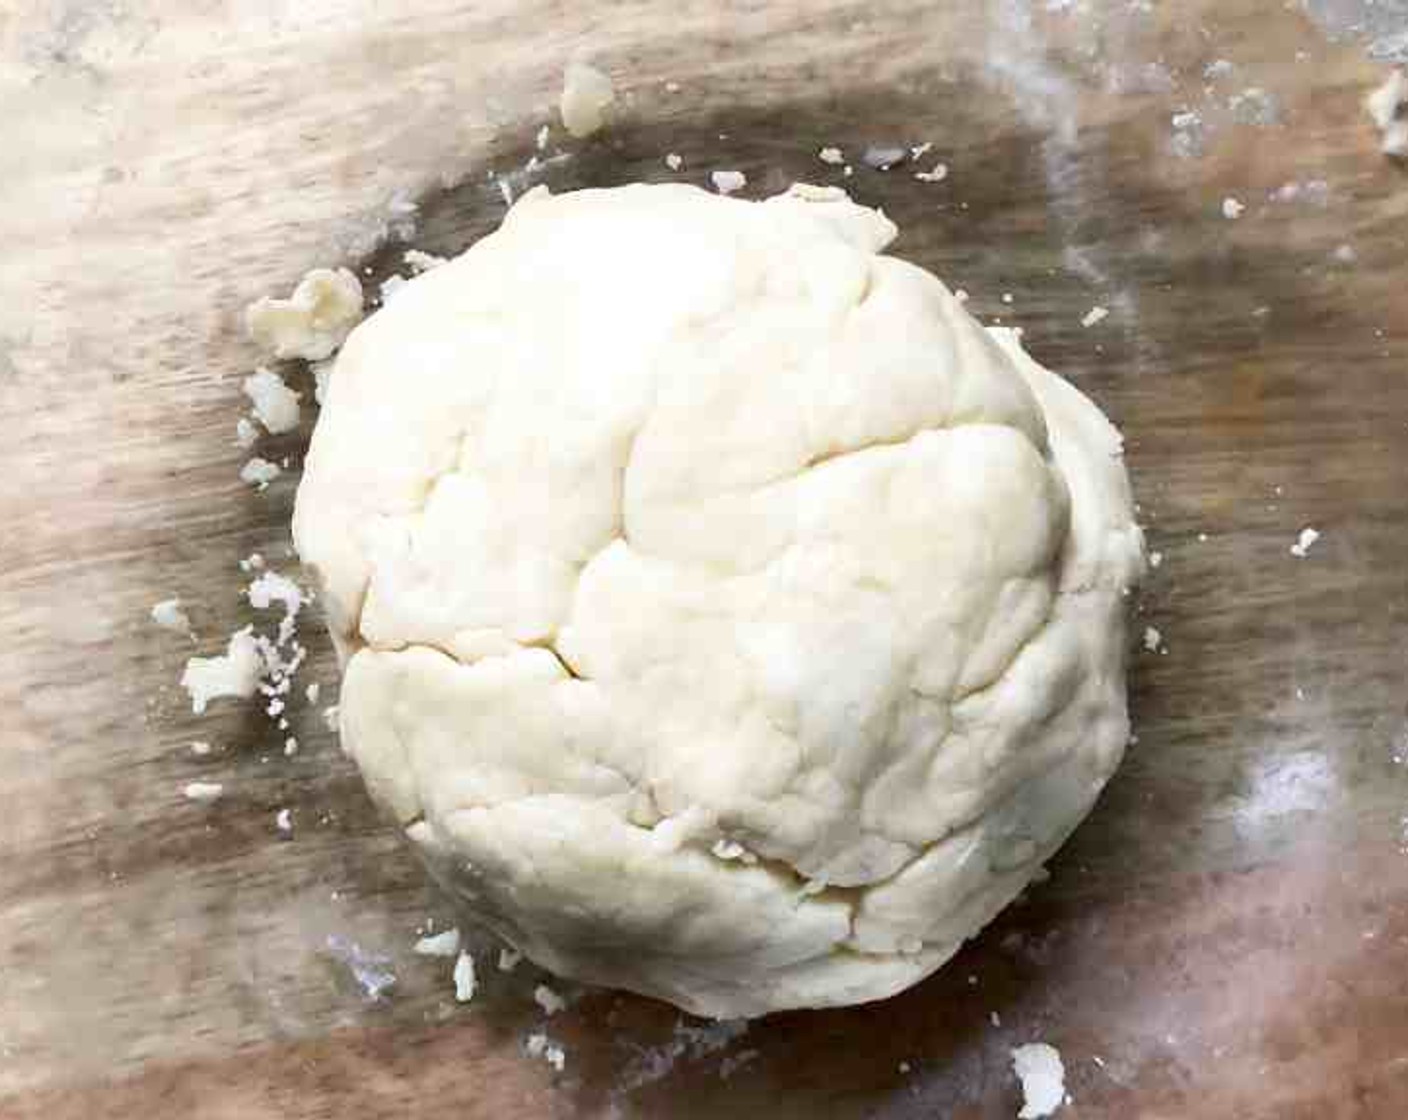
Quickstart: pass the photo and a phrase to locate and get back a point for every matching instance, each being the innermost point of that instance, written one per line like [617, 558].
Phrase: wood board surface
[1226, 936]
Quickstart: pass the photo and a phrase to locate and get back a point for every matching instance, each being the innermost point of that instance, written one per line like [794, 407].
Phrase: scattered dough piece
[1093, 316]
[392, 285]
[275, 404]
[200, 747]
[322, 374]
[538, 1045]
[311, 692]
[169, 615]
[1152, 639]
[246, 434]
[1043, 1078]
[834, 564]
[586, 95]
[548, 1000]
[465, 982]
[832, 156]
[1155, 559]
[418, 261]
[312, 323]
[509, 959]
[445, 944]
[1308, 537]
[674, 161]
[1232, 209]
[938, 175]
[726, 182]
[283, 820]
[270, 587]
[236, 673]
[204, 791]
[1385, 107]
[879, 158]
[259, 472]
[725, 848]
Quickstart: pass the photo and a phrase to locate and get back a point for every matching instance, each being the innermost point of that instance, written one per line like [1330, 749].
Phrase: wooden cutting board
[1227, 936]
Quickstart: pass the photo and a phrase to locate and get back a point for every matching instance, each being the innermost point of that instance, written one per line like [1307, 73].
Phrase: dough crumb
[236, 673]
[275, 404]
[246, 434]
[169, 615]
[418, 261]
[269, 588]
[882, 158]
[548, 1000]
[726, 182]
[204, 792]
[391, 286]
[938, 175]
[1385, 107]
[283, 820]
[1094, 315]
[322, 374]
[832, 156]
[465, 982]
[252, 563]
[1155, 559]
[1232, 209]
[314, 321]
[1308, 537]
[674, 161]
[509, 959]
[538, 1045]
[259, 472]
[200, 747]
[586, 95]
[290, 744]
[731, 849]
[1152, 639]
[312, 691]
[1043, 1078]
[330, 718]
[445, 944]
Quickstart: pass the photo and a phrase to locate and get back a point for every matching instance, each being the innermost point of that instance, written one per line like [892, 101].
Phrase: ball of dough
[726, 615]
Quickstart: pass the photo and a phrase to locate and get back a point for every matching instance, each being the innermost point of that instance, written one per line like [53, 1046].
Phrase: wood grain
[1228, 933]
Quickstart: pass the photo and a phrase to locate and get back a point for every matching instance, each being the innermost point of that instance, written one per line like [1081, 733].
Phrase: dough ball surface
[725, 614]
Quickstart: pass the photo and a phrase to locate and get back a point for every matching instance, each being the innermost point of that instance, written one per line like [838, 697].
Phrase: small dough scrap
[275, 404]
[313, 322]
[724, 613]
[170, 615]
[1043, 1076]
[465, 981]
[259, 472]
[586, 95]
[1385, 107]
[446, 944]
[236, 673]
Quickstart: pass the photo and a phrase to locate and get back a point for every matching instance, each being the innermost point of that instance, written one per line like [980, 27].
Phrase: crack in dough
[659, 519]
